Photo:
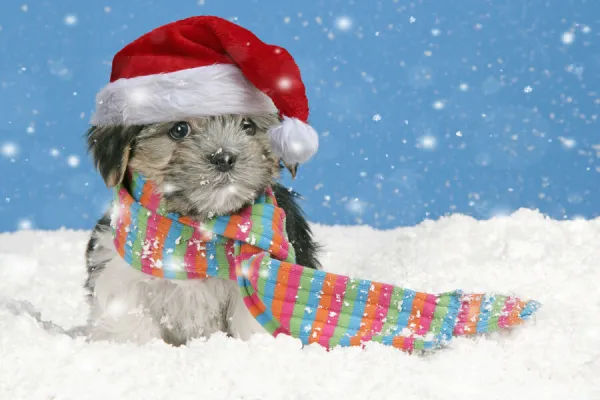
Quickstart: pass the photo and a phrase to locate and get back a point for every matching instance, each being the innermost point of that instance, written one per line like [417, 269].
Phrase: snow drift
[554, 356]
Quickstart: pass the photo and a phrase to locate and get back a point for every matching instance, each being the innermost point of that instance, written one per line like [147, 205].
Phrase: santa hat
[204, 66]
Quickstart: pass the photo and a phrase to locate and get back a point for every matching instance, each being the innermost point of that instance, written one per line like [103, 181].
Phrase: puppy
[204, 168]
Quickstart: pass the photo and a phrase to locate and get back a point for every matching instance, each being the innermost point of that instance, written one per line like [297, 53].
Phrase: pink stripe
[339, 290]
[146, 269]
[427, 315]
[153, 201]
[383, 306]
[409, 343]
[189, 260]
[506, 310]
[242, 234]
[290, 296]
[461, 320]
[151, 231]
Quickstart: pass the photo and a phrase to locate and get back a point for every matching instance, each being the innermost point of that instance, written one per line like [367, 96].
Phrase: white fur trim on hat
[196, 92]
[294, 141]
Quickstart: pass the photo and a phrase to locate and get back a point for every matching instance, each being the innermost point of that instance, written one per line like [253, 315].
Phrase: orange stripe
[398, 342]
[147, 191]
[370, 309]
[322, 314]
[417, 312]
[161, 235]
[125, 214]
[474, 311]
[277, 238]
[279, 292]
[232, 226]
[201, 265]
[513, 318]
[159, 273]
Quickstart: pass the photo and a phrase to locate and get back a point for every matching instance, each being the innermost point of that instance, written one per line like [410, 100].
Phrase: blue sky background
[425, 108]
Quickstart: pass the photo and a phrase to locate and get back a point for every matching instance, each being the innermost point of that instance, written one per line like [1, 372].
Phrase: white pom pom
[294, 141]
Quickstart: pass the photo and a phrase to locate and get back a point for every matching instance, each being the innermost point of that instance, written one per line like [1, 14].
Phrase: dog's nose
[223, 160]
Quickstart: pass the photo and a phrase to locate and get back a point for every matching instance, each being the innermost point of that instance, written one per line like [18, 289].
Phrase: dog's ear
[111, 147]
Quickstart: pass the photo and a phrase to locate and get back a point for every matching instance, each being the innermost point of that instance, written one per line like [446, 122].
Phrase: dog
[204, 167]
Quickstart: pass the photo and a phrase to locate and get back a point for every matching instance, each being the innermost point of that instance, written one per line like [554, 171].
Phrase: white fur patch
[128, 305]
[294, 141]
[190, 93]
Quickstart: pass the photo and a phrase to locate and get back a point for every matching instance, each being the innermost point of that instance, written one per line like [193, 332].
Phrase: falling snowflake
[73, 161]
[70, 20]
[568, 37]
[54, 152]
[463, 87]
[284, 83]
[412, 20]
[568, 143]
[438, 105]
[427, 142]
[377, 117]
[527, 89]
[343, 23]
[9, 149]
[25, 224]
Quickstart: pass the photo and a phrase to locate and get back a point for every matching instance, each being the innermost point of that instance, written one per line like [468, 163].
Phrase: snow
[555, 356]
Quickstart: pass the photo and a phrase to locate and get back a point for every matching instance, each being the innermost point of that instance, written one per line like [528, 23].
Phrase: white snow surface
[554, 356]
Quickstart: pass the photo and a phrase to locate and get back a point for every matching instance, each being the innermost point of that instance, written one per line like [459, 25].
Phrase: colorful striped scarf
[252, 248]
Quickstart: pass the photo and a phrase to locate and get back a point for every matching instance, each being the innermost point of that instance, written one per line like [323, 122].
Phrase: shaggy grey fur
[221, 165]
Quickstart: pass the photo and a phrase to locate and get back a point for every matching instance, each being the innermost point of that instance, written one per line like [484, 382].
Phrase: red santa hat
[204, 66]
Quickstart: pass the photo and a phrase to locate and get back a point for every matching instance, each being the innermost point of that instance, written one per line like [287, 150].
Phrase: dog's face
[204, 167]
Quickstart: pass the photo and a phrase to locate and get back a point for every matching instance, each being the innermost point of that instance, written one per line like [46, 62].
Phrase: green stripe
[391, 319]
[496, 312]
[257, 224]
[350, 295]
[222, 262]
[181, 247]
[301, 300]
[140, 237]
[441, 309]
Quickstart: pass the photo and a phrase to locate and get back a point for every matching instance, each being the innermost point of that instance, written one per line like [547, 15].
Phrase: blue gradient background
[403, 77]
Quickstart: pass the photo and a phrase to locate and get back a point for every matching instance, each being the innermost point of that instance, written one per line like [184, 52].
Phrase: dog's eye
[179, 130]
[249, 126]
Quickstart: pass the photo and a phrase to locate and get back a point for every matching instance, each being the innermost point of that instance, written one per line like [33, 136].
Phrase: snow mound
[554, 356]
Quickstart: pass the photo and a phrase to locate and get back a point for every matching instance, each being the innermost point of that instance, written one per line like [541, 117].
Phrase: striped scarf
[252, 248]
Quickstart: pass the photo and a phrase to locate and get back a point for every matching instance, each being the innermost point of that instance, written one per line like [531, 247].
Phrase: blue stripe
[264, 241]
[138, 186]
[167, 256]
[273, 271]
[449, 322]
[360, 303]
[211, 258]
[220, 225]
[310, 311]
[169, 274]
[344, 341]
[173, 216]
[407, 303]
[484, 317]
[132, 234]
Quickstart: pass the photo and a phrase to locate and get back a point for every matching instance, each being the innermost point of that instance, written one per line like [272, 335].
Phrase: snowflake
[568, 37]
[9, 149]
[73, 161]
[343, 23]
[527, 89]
[377, 117]
[70, 20]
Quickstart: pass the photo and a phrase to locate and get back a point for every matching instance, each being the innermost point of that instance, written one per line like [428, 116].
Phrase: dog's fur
[128, 305]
